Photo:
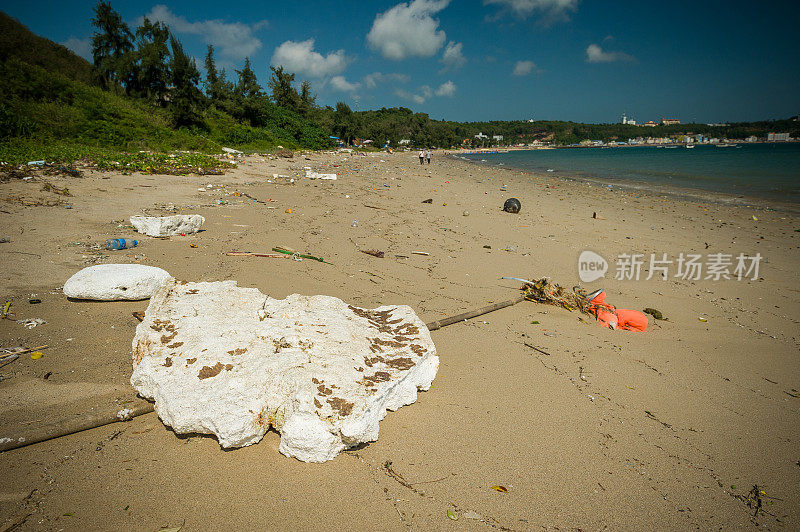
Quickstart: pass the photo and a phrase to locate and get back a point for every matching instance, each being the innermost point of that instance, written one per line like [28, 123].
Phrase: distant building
[669, 121]
[629, 121]
[650, 123]
[480, 135]
[404, 141]
[751, 138]
[498, 138]
[778, 137]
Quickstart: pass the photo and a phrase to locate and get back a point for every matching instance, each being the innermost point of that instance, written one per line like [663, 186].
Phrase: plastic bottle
[121, 243]
[355, 223]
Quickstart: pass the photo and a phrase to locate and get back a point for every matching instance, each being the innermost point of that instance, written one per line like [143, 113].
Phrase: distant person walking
[421, 157]
[428, 156]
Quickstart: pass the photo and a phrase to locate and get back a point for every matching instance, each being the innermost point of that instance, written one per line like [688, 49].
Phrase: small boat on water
[726, 145]
[689, 146]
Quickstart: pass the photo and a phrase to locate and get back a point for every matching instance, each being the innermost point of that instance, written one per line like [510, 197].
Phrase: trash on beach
[36, 355]
[545, 291]
[157, 226]
[115, 282]
[452, 515]
[30, 323]
[288, 211]
[10, 354]
[429, 200]
[615, 318]
[295, 255]
[120, 243]
[319, 371]
[49, 187]
[655, 313]
[465, 213]
[703, 319]
[34, 301]
[501, 489]
[315, 175]
[423, 253]
[512, 205]
[373, 252]
[251, 254]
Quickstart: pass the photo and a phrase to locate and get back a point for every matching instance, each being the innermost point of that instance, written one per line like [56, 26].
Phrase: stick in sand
[23, 351]
[251, 254]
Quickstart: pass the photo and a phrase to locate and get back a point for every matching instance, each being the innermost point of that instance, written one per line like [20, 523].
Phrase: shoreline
[654, 189]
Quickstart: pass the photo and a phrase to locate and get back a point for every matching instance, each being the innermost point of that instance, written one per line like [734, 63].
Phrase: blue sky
[467, 60]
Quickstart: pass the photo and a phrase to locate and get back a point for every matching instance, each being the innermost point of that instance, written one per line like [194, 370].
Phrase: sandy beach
[694, 423]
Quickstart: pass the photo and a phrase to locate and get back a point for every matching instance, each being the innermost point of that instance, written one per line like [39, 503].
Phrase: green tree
[307, 100]
[247, 86]
[218, 89]
[151, 57]
[110, 45]
[281, 89]
[248, 97]
[185, 98]
[344, 122]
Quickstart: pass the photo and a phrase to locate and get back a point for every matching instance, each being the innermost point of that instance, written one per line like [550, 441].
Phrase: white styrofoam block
[115, 282]
[168, 225]
[230, 361]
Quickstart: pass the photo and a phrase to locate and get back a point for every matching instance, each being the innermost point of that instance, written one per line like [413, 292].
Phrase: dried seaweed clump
[550, 293]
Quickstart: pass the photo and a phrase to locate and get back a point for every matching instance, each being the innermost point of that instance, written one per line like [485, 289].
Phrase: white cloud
[300, 58]
[550, 10]
[372, 80]
[404, 94]
[425, 92]
[408, 30]
[595, 54]
[82, 47]
[523, 68]
[234, 40]
[452, 58]
[447, 89]
[339, 83]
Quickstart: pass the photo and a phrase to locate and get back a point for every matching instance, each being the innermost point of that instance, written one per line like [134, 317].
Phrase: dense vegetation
[143, 92]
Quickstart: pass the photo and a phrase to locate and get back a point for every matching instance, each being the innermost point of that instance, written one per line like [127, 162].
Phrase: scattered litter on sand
[373, 252]
[30, 323]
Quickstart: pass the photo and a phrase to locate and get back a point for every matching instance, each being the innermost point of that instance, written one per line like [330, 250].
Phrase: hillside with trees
[143, 92]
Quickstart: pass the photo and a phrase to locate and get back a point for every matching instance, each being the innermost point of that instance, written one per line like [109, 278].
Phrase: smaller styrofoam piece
[115, 282]
[168, 225]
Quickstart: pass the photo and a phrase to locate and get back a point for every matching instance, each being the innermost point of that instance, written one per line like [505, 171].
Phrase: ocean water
[768, 171]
